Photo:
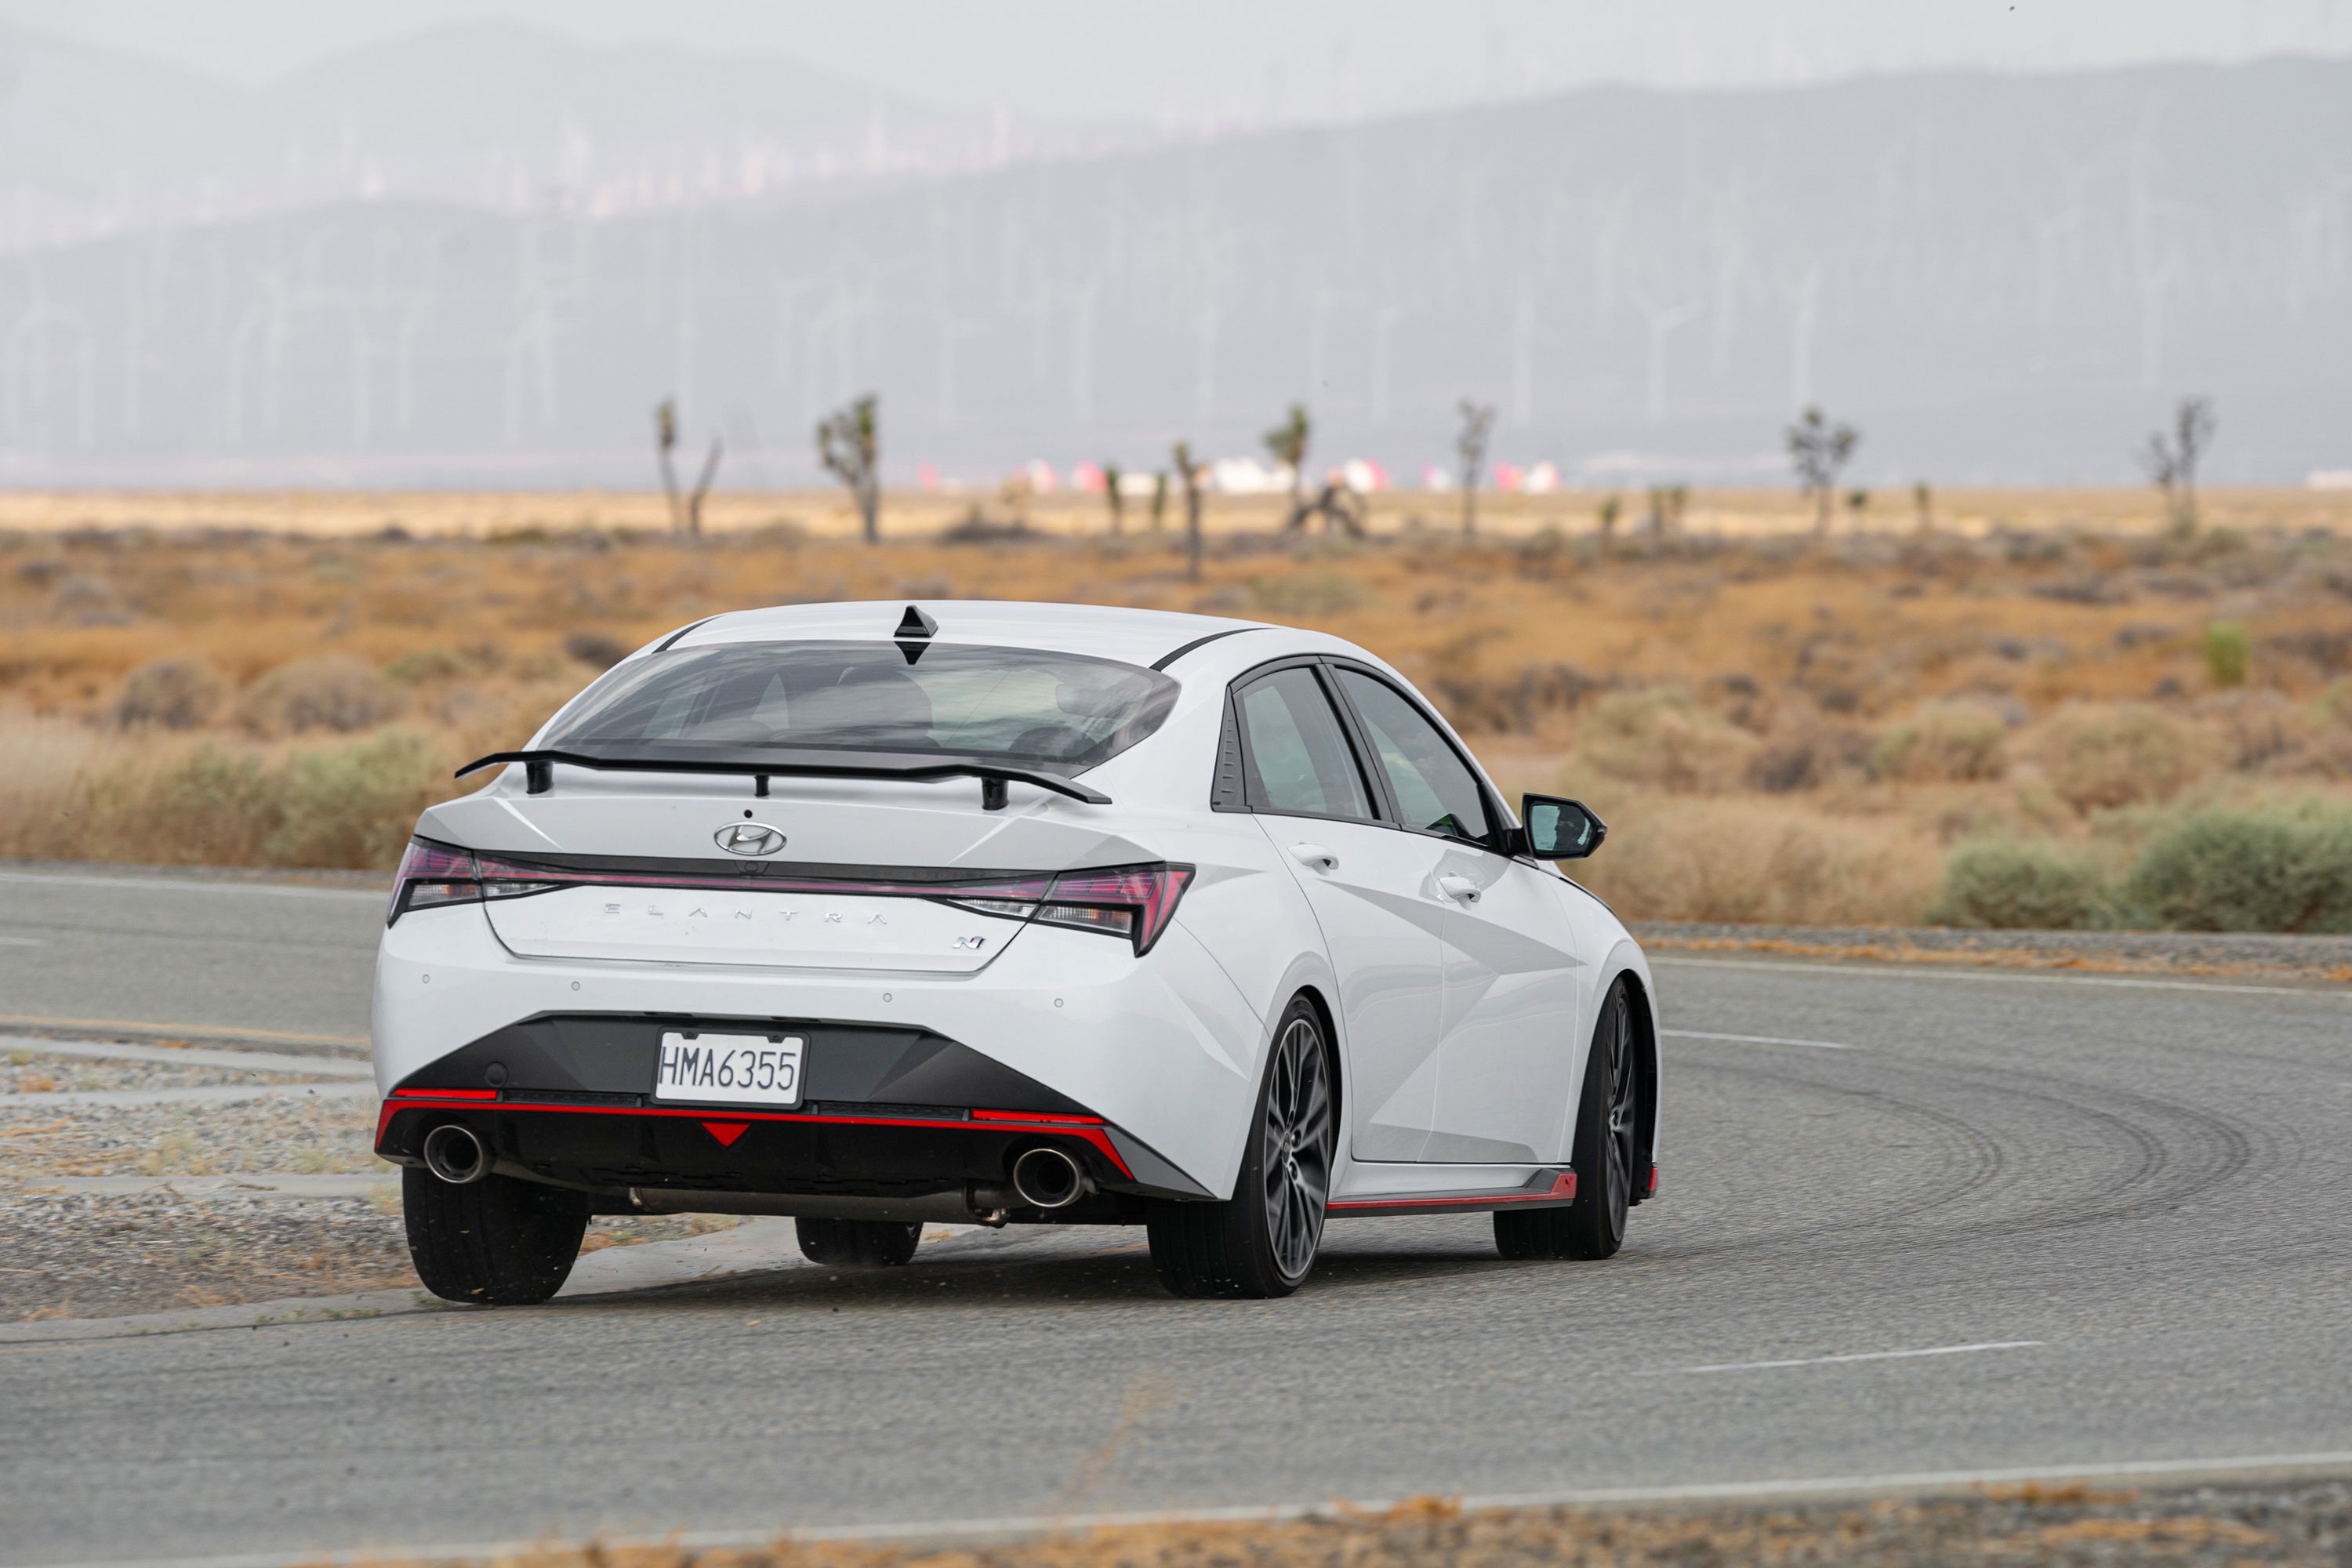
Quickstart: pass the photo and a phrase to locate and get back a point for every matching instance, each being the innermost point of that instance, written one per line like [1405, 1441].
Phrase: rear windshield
[1015, 703]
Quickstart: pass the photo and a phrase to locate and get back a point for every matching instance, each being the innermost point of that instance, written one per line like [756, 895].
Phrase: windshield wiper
[538, 769]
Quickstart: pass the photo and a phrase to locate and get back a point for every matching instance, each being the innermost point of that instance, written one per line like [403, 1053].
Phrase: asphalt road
[196, 956]
[2119, 1213]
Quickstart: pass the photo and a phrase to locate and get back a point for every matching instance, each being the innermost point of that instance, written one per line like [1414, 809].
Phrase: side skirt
[1545, 1189]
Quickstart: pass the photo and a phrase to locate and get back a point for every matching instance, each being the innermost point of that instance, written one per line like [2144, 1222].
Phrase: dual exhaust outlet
[1042, 1178]
[455, 1154]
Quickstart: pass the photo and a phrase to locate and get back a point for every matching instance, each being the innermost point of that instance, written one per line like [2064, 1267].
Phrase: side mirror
[1559, 829]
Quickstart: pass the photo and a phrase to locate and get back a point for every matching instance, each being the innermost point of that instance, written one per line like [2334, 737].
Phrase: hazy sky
[1190, 62]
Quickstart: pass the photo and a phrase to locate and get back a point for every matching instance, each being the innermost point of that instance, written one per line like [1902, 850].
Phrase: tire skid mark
[1982, 1157]
[2173, 1152]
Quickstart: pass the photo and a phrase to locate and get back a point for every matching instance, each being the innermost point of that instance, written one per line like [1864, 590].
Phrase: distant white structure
[1542, 480]
[1435, 476]
[1042, 479]
[1363, 475]
[1248, 477]
[2329, 479]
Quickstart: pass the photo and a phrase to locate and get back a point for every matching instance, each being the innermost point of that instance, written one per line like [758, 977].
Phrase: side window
[1434, 788]
[1300, 760]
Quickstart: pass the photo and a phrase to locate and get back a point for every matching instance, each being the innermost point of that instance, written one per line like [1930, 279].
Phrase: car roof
[1136, 636]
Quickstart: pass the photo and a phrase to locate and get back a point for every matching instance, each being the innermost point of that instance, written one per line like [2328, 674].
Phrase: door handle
[1314, 855]
[1461, 889]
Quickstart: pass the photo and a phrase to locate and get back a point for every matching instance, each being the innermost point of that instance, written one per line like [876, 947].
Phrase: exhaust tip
[453, 1154]
[1048, 1179]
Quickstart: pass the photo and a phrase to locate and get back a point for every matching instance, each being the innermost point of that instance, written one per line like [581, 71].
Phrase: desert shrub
[1803, 748]
[348, 805]
[2128, 755]
[170, 694]
[1663, 736]
[2226, 653]
[596, 649]
[351, 806]
[2258, 730]
[1518, 702]
[2272, 870]
[1752, 861]
[2020, 885]
[331, 692]
[1306, 594]
[425, 666]
[1960, 742]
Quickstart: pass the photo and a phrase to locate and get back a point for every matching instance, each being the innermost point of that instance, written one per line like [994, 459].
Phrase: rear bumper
[638, 1158]
[1145, 1070]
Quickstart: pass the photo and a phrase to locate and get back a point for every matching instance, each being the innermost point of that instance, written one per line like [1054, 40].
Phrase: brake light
[1132, 902]
[432, 874]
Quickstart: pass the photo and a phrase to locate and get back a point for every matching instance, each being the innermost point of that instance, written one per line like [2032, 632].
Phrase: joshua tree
[702, 487]
[1159, 499]
[1477, 424]
[2171, 464]
[1611, 507]
[1286, 442]
[665, 443]
[684, 518]
[1111, 476]
[1819, 450]
[1923, 506]
[849, 444]
[1189, 477]
[1666, 504]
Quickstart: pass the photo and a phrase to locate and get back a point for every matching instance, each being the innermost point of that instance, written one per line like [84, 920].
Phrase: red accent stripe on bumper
[989, 1122]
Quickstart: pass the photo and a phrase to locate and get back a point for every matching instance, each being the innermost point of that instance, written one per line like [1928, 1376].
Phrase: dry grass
[1779, 728]
[2291, 1523]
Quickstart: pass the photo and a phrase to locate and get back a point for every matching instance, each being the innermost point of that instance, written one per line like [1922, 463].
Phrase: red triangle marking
[726, 1131]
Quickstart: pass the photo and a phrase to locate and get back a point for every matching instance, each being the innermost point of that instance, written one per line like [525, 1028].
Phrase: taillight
[1132, 902]
[432, 874]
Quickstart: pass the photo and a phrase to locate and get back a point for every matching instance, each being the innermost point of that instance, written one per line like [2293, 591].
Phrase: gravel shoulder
[72, 1254]
[2239, 953]
[2204, 1526]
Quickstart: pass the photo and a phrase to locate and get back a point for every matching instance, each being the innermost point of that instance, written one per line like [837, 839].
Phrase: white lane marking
[969, 1530]
[1867, 971]
[210, 1094]
[251, 1061]
[24, 942]
[172, 885]
[1757, 1039]
[1844, 1360]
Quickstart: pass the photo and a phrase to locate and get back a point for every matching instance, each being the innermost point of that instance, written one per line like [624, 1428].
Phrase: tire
[497, 1242]
[1262, 1242]
[1609, 1123]
[858, 1243]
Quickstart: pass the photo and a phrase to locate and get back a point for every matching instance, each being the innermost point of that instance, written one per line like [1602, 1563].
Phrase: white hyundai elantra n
[874, 915]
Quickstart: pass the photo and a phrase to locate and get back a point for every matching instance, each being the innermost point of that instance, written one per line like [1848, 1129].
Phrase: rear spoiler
[539, 770]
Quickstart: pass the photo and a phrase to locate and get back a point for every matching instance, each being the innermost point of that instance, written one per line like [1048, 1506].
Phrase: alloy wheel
[1624, 1111]
[1298, 1140]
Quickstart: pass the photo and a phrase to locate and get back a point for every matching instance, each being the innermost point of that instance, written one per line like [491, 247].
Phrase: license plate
[732, 1069]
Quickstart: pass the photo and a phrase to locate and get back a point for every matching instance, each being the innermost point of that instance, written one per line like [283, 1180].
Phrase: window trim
[1375, 795]
[1503, 827]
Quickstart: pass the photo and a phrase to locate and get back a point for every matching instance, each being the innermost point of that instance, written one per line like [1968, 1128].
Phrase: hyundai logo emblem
[749, 839]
